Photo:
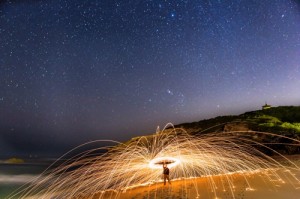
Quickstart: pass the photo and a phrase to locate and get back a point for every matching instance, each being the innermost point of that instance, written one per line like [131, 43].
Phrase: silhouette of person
[166, 172]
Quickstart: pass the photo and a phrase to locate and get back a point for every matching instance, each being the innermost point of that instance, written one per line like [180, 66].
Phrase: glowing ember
[157, 163]
[134, 164]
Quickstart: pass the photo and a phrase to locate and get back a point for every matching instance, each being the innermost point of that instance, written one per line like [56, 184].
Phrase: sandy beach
[202, 188]
[275, 184]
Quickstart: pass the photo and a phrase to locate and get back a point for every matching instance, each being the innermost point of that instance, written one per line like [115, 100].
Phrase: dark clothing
[166, 177]
[166, 171]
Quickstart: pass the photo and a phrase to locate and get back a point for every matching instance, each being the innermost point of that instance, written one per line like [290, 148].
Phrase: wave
[17, 179]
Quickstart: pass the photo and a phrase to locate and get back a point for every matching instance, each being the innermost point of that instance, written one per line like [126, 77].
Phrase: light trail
[138, 163]
[157, 163]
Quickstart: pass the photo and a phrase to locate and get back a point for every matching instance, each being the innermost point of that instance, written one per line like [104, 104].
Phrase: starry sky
[75, 71]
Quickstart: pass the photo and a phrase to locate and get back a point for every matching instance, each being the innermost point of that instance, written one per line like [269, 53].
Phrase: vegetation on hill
[283, 121]
[276, 128]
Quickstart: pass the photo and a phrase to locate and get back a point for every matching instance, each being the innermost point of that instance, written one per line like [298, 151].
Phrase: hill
[282, 120]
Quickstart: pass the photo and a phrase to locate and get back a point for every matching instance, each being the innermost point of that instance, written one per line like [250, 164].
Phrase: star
[170, 92]
[69, 67]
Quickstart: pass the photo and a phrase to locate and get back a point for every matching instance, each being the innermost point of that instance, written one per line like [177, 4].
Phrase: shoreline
[207, 187]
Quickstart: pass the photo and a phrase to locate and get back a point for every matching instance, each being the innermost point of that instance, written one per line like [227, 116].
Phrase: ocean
[14, 176]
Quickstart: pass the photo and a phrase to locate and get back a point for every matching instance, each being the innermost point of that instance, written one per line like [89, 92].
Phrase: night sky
[74, 71]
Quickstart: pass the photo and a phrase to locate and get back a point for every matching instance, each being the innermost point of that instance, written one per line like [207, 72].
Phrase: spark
[136, 163]
[157, 162]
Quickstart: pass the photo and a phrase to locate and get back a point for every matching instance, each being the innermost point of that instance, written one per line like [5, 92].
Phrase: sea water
[14, 176]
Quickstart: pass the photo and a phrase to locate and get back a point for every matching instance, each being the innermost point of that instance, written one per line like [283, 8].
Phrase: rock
[14, 161]
[236, 126]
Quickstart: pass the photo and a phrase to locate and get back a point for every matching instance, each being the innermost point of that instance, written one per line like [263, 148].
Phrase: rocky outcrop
[236, 126]
[14, 161]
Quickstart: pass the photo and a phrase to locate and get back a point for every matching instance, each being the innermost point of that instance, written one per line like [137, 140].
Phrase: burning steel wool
[139, 163]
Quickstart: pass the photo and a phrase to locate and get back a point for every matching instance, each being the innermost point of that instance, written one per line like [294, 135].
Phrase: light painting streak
[137, 162]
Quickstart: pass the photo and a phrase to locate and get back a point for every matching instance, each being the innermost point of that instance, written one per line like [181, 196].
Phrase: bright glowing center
[157, 163]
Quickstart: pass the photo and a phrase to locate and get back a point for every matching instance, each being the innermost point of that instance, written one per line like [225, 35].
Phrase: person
[166, 172]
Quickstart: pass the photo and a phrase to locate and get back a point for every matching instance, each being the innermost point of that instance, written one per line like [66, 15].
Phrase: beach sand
[257, 185]
[272, 183]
